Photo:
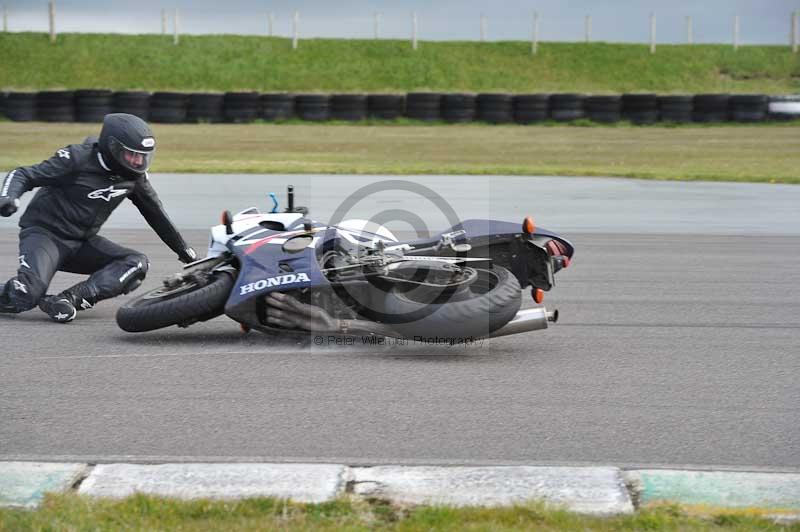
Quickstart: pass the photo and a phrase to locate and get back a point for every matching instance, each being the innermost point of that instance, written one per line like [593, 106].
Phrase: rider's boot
[64, 307]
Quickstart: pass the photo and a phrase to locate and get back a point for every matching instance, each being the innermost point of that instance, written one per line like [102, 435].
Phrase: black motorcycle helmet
[127, 144]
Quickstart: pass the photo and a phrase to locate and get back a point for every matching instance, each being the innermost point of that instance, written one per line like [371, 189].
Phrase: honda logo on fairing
[289, 278]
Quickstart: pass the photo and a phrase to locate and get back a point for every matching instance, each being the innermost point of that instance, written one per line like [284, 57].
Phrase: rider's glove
[187, 255]
[8, 206]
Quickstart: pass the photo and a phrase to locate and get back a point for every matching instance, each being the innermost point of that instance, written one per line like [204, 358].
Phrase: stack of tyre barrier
[530, 108]
[277, 107]
[21, 106]
[55, 106]
[349, 107]
[495, 108]
[677, 108]
[89, 105]
[567, 107]
[386, 106]
[748, 107]
[603, 109]
[241, 107]
[93, 105]
[424, 106]
[710, 107]
[458, 107]
[312, 107]
[204, 108]
[640, 108]
[132, 102]
[168, 107]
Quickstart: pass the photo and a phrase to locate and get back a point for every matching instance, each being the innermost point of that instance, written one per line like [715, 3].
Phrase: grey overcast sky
[762, 21]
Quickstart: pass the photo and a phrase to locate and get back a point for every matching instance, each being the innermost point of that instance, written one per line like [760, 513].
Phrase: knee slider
[135, 274]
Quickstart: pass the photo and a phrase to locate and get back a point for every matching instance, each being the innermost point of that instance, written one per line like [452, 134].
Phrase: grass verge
[759, 153]
[140, 512]
[236, 62]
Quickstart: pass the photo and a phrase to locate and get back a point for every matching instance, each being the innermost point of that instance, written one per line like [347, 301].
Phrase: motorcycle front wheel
[186, 303]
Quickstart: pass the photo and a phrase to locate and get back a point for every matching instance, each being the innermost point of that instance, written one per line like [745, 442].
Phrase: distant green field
[230, 62]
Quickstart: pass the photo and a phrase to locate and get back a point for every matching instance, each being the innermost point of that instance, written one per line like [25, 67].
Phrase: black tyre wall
[55, 106]
[495, 108]
[458, 107]
[93, 105]
[784, 107]
[640, 108]
[606, 109]
[312, 107]
[424, 106]
[277, 107]
[168, 107]
[132, 102]
[21, 106]
[567, 107]
[529, 108]
[748, 107]
[349, 107]
[386, 106]
[678, 108]
[204, 107]
[241, 107]
[711, 108]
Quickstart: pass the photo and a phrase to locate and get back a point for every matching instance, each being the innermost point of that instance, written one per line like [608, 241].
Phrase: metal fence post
[588, 28]
[52, 17]
[377, 26]
[689, 36]
[414, 30]
[175, 29]
[736, 32]
[483, 27]
[652, 33]
[795, 36]
[163, 22]
[295, 29]
[535, 33]
[5, 18]
[270, 23]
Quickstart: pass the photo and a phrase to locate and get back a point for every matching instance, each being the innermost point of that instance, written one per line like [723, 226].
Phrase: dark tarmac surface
[671, 350]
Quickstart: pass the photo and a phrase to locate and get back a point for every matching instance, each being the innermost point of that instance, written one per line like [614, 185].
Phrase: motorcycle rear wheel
[482, 308]
[181, 305]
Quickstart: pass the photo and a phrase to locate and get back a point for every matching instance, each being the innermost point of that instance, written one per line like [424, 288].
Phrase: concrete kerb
[588, 490]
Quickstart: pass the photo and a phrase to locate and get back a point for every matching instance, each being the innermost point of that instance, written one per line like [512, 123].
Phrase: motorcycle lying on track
[281, 272]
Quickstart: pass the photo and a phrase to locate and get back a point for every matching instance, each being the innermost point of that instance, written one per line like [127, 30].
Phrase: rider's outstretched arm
[146, 200]
[53, 171]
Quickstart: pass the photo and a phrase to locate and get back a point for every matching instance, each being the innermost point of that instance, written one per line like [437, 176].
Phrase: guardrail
[245, 107]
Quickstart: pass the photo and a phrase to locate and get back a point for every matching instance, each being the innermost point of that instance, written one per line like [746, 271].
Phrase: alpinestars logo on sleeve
[63, 153]
[106, 193]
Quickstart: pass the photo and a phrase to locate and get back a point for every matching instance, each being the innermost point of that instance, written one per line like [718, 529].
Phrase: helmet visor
[135, 160]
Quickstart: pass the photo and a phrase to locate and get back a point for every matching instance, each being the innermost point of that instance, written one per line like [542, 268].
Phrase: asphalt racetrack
[678, 345]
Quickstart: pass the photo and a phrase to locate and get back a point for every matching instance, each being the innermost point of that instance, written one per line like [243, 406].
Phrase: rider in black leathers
[80, 186]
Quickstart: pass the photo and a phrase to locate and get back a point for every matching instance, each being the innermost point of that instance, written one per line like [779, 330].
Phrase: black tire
[748, 107]
[424, 106]
[148, 313]
[313, 107]
[241, 107]
[458, 107]
[785, 107]
[349, 107]
[277, 107]
[676, 108]
[567, 107]
[640, 108]
[495, 108]
[132, 102]
[93, 105]
[21, 106]
[529, 108]
[168, 107]
[55, 106]
[605, 109]
[204, 107]
[711, 108]
[497, 298]
[386, 106]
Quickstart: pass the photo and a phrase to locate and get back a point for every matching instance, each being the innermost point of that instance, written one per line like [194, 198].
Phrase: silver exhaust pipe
[532, 319]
